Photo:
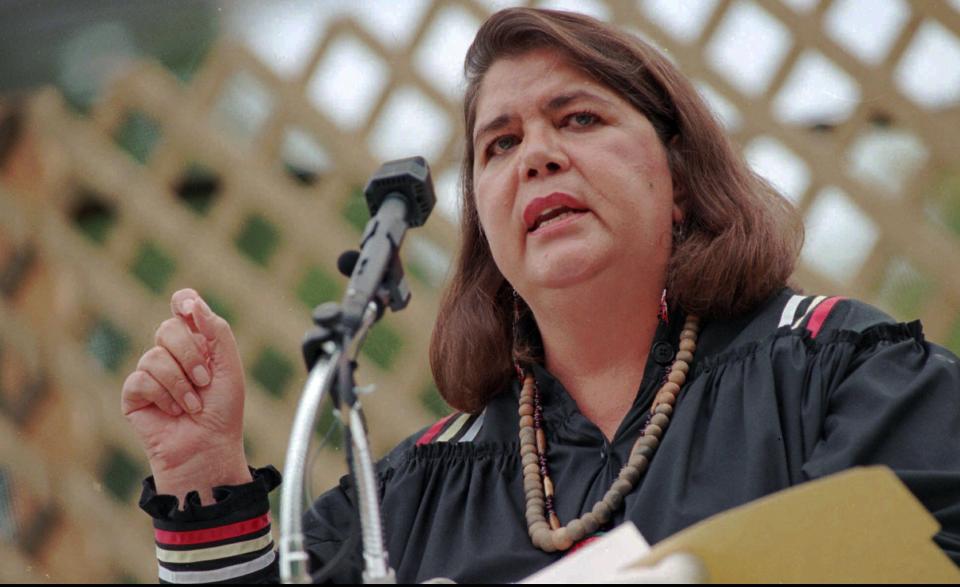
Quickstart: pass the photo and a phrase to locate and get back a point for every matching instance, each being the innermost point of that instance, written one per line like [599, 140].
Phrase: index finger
[182, 304]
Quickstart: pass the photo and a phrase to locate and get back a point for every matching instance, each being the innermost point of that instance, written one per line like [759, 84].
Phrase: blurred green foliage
[138, 135]
[355, 210]
[258, 239]
[153, 267]
[273, 371]
[318, 286]
[432, 401]
[108, 344]
[120, 473]
[382, 345]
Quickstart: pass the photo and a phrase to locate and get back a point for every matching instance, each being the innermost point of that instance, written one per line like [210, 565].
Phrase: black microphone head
[408, 178]
[347, 261]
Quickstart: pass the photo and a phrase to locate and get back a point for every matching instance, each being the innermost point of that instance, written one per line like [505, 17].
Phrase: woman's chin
[561, 271]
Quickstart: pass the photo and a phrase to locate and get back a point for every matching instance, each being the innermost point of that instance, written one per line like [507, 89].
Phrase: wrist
[201, 474]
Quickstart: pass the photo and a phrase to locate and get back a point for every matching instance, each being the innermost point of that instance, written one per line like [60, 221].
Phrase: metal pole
[293, 556]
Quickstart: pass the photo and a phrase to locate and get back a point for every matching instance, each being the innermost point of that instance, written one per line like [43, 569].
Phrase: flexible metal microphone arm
[294, 561]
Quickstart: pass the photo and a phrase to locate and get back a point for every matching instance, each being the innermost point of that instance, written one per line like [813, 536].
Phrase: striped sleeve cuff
[229, 540]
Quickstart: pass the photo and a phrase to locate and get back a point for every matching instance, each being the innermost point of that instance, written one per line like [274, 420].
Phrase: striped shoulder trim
[809, 310]
[457, 427]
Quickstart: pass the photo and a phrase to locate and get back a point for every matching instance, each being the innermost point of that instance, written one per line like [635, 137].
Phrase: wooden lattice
[240, 183]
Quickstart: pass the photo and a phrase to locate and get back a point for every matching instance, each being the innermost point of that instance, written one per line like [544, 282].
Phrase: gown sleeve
[227, 541]
[894, 400]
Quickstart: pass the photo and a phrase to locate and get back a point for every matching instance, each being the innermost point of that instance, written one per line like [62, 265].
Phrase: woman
[619, 306]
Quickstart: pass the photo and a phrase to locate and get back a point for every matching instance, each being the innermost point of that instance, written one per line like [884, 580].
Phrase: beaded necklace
[545, 530]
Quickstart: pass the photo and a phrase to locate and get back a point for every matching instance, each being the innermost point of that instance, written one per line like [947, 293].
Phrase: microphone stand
[399, 195]
[335, 361]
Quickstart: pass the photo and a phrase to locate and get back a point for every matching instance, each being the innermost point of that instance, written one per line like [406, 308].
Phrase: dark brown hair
[741, 237]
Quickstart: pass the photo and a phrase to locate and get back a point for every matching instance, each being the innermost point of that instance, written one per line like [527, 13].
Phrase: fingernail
[200, 376]
[192, 401]
[186, 306]
[204, 308]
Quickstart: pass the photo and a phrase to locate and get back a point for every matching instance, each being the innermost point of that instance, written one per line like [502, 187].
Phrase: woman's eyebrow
[494, 125]
[564, 100]
[554, 104]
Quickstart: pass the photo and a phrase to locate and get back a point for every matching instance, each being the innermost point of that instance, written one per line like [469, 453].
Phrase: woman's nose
[541, 155]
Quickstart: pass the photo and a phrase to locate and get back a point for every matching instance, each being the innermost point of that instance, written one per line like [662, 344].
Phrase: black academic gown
[765, 407]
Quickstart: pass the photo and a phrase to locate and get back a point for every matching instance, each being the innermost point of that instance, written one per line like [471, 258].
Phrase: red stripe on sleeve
[434, 430]
[820, 315]
[212, 534]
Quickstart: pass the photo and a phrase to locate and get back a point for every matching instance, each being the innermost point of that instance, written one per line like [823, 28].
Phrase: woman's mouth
[551, 210]
[553, 216]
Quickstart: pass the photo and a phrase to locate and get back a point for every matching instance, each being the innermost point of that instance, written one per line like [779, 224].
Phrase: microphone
[399, 196]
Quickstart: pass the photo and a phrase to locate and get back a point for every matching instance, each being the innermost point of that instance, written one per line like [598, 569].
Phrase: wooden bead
[561, 539]
[681, 366]
[688, 345]
[531, 469]
[665, 397]
[685, 356]
[689, 333]
[614, 499]
[530, 484]
[576, 530]
[631, 474]
[536, 494]
[541, 441]
[529, 458]
[692, 324]
[548, 487]
[528, 437]
[534, 515]
[651, 441]
[660, 420]
[536, 502]
[678, 377]
[554, 521]
[670, 387]
[590, 523]
[653, 430]
[526, 449]
[665, 409]
[638, 462]
[645, 451]
[602, 512]
[543, 540]
[526, 399]
[526, 410]
[538, 526]
[526, 421]
[622, 486]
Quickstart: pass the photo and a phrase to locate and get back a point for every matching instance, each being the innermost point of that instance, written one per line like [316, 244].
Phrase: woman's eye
[502, 144]
[583, 118]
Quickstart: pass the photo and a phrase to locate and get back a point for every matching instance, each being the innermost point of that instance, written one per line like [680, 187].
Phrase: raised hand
[185, 401]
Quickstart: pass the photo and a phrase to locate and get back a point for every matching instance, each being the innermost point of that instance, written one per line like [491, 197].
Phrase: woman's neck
[596, 339]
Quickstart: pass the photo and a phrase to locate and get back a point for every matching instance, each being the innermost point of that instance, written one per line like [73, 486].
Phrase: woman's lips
[557, 223]
[539, 210]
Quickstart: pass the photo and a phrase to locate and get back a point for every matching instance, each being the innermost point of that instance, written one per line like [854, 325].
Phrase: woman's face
[570, 180]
